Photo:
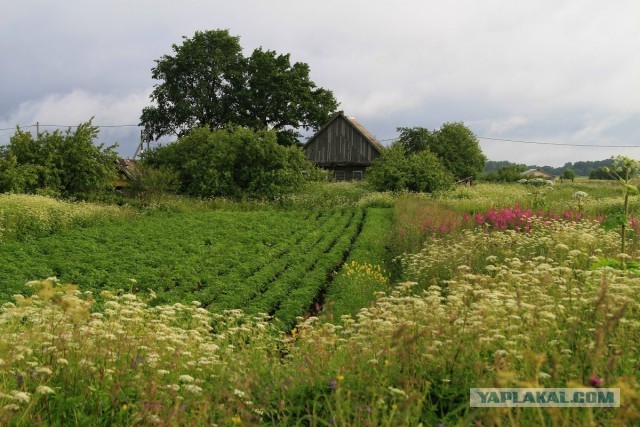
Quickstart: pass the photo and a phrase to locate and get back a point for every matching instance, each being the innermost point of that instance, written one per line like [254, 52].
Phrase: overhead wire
[65, 126]
[557, 143]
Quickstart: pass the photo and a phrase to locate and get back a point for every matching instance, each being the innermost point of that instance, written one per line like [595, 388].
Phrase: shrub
[68, 164]
[154, 184]
[232, 162]
[397, 169]
[506, 174]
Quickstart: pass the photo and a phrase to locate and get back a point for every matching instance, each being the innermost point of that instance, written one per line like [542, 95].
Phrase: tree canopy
[208, 82]
[454, 144]
[569, 174]
[66, 164]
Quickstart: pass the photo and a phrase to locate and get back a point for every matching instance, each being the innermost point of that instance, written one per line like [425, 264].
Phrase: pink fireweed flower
[595, 381]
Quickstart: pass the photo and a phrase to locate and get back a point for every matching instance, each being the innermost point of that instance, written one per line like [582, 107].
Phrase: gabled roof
[356, 125]
[539, 171]
[127, 167]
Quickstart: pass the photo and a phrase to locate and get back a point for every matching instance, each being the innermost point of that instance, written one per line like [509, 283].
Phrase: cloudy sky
[552, 71]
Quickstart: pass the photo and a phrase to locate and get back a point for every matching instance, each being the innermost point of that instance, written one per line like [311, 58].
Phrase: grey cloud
[544, 70]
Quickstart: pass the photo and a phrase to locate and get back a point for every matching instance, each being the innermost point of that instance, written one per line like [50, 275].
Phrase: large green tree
[454, 144]
[209, 82]
[66, 163]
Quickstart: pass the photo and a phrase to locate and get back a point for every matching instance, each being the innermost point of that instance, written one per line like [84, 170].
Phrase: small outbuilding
[538, 173]
[127, 172]
[344, 147]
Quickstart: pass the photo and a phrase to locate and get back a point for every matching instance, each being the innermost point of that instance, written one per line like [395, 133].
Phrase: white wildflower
[43, 389]
[44, 370]
[185, 379]
[543, 375]
[21, 396]
[192, 388]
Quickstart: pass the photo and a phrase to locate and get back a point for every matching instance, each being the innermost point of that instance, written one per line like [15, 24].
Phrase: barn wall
[340, 143]
[346, 173]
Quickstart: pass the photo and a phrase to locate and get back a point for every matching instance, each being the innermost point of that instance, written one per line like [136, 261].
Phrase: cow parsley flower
[185, 379]
[44, 390]
[21, 396]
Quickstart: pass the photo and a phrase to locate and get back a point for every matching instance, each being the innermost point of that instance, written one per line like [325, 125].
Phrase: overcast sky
[556, 71]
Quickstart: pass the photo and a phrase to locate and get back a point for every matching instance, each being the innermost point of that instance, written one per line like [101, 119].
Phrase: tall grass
[28, 216]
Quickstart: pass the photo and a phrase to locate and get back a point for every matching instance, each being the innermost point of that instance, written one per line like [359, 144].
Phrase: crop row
[257, 261]
[365, 271]
[299, 285]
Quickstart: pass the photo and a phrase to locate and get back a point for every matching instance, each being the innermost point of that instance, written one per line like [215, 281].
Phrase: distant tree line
[581, 168]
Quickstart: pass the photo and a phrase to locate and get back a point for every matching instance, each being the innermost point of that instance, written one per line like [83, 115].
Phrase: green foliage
[398, 169]
[68, 163]
[152, 185]
[633, 266]
[625, 171]
[321, 195]
[269, 261]
[280, 96]
[232, 162]
[494, 165]
[481, 309]
[26, 217]
[416, 139]
[511, 173]
[601, 173]
[615, 221]
[208, 82]
[454, 144]
[582, 168]
[538, 190]
[569, 174]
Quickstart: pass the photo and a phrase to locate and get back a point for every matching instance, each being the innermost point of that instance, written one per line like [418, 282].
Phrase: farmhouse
[538, 173]
[343, 146]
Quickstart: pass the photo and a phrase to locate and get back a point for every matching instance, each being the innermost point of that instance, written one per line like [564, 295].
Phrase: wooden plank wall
[340, 143]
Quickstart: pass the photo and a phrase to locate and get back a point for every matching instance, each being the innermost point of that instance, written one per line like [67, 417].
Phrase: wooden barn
[539, 173]
[343, 146]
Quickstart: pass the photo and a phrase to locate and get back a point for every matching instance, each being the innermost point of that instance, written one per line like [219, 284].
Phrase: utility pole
[144, 138]
[37, 131]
